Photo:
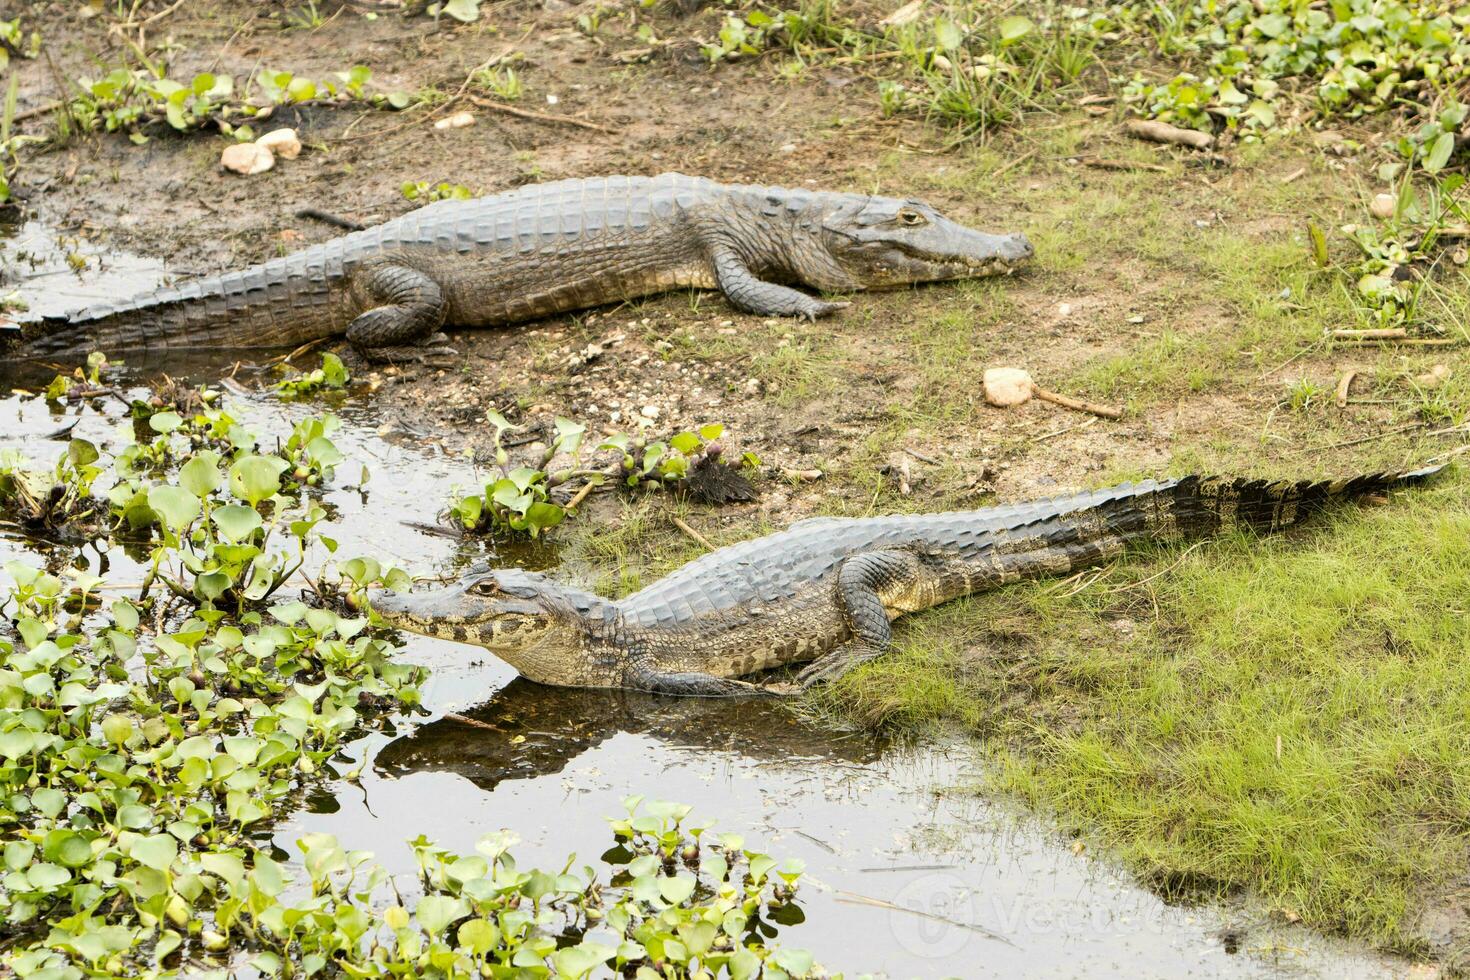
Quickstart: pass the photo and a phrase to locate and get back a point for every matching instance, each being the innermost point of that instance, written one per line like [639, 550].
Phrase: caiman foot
[435, 352]
[821, 308]
[828, 668]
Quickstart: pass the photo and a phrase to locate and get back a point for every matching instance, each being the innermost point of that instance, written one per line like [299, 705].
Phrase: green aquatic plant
[518, 500]
[151, 732]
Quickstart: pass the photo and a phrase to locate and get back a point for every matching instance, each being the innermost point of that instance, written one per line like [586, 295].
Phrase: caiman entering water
[542, 250]
[824, 591]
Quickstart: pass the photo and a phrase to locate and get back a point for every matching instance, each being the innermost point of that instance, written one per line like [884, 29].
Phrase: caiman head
[539, 627]
[883, 242]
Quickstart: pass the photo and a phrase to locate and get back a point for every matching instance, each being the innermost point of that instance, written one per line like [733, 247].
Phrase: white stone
[1383, 205]
[247, 158]
[282, 143]
[1005, 387]
[649, 411]
[458, 120]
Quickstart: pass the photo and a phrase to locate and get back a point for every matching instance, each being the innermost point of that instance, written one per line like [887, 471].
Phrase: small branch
[465, 720]
[581, 494]
[39, 110]
[546, 117]
[1064, 429]
[1077, 404]
[923, 457]
[700, 538]
[1358, 442]
[1386, 333]
[1344, 387]
[1411, 342]
[1024, 157]
[1162, 132]
[1121, 165]
[326, 217]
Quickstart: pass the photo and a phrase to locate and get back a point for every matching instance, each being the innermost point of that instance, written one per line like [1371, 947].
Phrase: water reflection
[527, 731]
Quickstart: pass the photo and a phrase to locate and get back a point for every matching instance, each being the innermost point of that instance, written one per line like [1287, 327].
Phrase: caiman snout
[1016, 248]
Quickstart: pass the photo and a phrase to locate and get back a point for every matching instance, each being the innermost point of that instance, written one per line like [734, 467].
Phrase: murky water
[910, 872]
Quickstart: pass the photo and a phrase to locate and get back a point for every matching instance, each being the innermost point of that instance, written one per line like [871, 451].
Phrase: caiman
[824, 591]
[541, 250]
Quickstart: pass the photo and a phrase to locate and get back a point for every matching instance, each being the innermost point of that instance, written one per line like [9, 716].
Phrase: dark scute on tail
[1204, 505]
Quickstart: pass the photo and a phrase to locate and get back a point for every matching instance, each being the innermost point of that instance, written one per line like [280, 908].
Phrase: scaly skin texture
[542, 250]
[824, 591]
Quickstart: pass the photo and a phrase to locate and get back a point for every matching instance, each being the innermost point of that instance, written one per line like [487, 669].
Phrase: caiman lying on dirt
[825, 590]
[542, 250]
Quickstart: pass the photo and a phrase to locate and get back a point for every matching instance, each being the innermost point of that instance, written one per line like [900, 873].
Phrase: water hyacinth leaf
[676, 891]
[760, 866]
[164, 422]
[80, 452]
[68, 849]
[436, 912]
[478, 936]
[16, 743]
[321, 621]
[46, 875]
[236, 521]
[256, 478]
[580, 960]
[211, 585]
[797, 962]
[569, 435]
[200, 475]
[156, 852]
[288, 613]
[175, 505]
[544, 515]
[685, 442]
[124, 615]
[324, 451]
[48, 801]
[18, 854]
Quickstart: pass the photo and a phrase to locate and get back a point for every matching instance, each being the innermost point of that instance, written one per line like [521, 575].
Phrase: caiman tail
[1195, 506]
[282, 303]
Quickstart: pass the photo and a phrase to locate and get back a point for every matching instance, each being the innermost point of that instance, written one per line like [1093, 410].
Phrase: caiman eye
[911, 218]
[486, 586]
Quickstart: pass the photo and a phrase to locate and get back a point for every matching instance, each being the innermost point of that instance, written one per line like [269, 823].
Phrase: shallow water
[910, 873]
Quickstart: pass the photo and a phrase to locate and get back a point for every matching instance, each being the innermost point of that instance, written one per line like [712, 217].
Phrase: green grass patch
[1286, 715]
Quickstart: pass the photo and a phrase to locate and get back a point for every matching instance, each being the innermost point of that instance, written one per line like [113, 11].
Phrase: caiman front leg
[690, 684]
[403, 310]
[754, 295]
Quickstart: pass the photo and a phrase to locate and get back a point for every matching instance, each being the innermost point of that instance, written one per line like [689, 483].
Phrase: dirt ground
[841, 394]
[1179, 291]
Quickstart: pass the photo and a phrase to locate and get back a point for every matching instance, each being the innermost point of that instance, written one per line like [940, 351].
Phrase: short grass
[1287, 715]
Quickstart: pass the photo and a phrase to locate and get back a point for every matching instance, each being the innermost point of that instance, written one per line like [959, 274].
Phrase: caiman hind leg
[908, 580]
[755, 295]
[861, 582]
[403, 310]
